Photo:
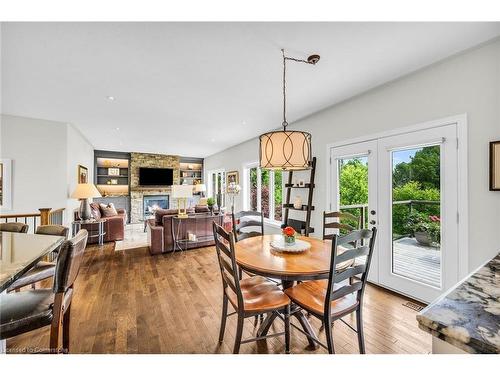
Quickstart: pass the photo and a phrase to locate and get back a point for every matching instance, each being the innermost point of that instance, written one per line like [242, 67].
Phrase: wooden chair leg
[66, 325]
[239, 333]
[329, 335]
[223, 318]
[55, 327]
[287, 329]
[359, 327]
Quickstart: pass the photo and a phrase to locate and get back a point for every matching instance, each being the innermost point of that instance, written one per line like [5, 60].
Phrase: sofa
[114, 225]
[199, 222]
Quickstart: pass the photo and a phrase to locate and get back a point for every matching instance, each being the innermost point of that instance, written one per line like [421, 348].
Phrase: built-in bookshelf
[191, 171]
[112, 175]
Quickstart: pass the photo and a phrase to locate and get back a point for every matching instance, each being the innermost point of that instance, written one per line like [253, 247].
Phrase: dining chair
[331, 300]
[249, 297]
[14, 227]
[29, 310]
[42, 270]
[333, 220]
[247, 219]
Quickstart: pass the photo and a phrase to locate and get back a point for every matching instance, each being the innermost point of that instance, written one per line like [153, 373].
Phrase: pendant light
[286, 149]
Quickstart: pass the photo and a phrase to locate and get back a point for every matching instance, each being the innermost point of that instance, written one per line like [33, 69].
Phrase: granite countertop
[468, 316]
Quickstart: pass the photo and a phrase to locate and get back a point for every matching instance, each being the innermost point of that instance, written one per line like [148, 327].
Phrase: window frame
[246, 192]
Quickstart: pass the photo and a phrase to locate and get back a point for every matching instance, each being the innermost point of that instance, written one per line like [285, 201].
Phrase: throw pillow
[108, 210]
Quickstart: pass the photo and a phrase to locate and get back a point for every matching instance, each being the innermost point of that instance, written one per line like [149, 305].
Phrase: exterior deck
[418, 262]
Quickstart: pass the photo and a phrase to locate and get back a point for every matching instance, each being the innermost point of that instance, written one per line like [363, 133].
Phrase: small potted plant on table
[289, 235]
[210, 204]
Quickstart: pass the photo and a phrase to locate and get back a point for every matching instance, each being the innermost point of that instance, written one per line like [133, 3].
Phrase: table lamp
[83, 192]
[182, 193]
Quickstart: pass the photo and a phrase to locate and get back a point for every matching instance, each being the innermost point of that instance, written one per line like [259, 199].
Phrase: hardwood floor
[130, 302]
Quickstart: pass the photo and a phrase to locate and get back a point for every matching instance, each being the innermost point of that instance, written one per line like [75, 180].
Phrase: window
[217, 184]
[264, 192]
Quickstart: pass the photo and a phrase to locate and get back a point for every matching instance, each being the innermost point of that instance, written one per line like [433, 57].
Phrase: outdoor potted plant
[210, 204]
[289, 235]
[426, 229]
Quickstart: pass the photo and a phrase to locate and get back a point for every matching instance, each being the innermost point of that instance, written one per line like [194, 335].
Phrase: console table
[95, 227]
[179, 228]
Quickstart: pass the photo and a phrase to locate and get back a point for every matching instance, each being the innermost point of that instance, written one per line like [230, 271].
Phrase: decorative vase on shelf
[297, 203]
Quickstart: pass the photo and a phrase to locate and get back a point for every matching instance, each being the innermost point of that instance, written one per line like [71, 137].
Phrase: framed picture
[232, 177]
[114, 171]
[495, 166]
[5, 184]
[83, 174]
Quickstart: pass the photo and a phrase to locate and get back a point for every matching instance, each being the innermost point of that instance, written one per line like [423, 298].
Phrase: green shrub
[401, 212]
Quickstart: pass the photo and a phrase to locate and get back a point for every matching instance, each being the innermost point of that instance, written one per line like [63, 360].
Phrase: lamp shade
[182, 191]
[285, 150]
[84, 191]
[198, 188]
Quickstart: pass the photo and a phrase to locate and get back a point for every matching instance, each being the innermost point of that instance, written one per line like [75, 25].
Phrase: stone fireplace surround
[138, 160]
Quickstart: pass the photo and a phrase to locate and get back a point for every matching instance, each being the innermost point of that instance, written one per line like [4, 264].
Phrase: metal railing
[363, 208]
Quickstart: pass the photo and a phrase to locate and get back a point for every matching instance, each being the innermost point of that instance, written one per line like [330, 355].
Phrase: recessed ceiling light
[212, 140]
[110, 98]
[117, 128]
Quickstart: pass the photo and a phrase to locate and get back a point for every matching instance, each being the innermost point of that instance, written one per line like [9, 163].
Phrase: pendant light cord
[285, 123]
[284, 90]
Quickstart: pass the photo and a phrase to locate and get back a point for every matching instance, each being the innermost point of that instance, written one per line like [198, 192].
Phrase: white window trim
[210, 181]
[246, 192]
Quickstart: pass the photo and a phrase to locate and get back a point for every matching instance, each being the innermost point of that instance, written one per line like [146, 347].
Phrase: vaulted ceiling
[198, 88]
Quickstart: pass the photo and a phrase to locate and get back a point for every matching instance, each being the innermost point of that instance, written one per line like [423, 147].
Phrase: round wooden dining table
[256, 256]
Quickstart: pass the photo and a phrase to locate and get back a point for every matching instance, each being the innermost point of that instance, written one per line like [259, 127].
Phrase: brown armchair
[114, 225]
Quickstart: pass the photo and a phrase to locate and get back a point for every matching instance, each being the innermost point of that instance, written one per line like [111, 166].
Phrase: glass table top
[19, 252]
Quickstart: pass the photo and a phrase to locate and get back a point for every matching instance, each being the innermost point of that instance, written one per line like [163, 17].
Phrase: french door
[407, 186]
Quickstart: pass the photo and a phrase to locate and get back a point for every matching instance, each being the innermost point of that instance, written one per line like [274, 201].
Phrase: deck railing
[363, 208]
[43, 217]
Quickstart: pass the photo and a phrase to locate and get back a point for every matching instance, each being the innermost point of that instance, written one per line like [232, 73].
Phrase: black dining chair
[331, 300]
[247, 219]
[42, 270]
[29, 310]
[333, 220]
[250, 297]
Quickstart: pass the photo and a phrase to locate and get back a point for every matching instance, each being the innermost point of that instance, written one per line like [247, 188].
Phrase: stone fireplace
[139, 193]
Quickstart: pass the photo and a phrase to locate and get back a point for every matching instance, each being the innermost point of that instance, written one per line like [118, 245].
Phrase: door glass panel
[264, 196]
[278, 194]
[353, 190]
[416, 214]
[253, 189]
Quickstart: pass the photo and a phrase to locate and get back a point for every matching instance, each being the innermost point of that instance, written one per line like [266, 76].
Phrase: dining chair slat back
[356, 272]
[224, 245]
[255, 219]
[337, 217]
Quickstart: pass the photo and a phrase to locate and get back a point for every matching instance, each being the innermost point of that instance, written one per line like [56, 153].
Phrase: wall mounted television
[156, 176]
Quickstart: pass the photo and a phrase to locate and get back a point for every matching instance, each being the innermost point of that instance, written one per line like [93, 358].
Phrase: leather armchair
[114, 225]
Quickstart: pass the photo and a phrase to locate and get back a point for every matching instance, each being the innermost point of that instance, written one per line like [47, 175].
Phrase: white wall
[80, 152]
[45, 155]
[466, 83]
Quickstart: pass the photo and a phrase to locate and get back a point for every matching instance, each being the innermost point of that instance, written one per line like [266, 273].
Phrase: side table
[95, 227]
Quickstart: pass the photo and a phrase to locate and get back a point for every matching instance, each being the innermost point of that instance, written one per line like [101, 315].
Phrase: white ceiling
[197, 88]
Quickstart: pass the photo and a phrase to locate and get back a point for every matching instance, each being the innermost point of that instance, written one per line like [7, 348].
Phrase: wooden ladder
[302, 227]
